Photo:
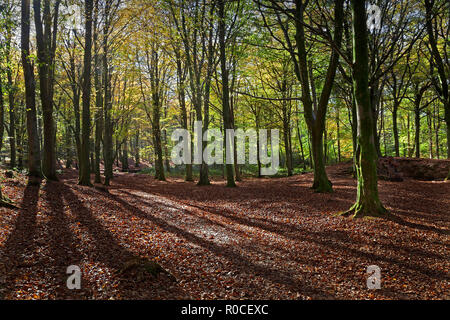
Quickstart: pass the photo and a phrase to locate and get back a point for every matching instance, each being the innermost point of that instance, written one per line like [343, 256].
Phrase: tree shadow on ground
[106, 250]
[19, 251]
[60, 239]
[238, 260]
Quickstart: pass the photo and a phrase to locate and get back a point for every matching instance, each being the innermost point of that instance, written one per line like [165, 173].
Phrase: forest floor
[267, 239]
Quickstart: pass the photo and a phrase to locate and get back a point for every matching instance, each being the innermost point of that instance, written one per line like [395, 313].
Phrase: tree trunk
[321, 182]
[286, 147]
[395, 129]
[85, 176]
[181, 77]
[125, 155]
[301, 144]
[430, 134]
[45, 53]
[108, 129]
[2, 116]
[156, 109]
[417, 127]
[98, 100]
[166, 150]
[436, 127]
[225, 91]
[137, 151]
[34, 152]
[204, 179]
[439, 61]
[338, 134]
[367, 201]
[316, 120]
[12, 113]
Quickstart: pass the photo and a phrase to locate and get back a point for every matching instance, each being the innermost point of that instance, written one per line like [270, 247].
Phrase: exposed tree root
[359, 210]
[325, 187]
[6, 203]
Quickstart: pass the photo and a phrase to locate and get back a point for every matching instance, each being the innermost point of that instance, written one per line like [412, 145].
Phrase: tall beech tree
[8, 21]
[85, 173]
[194, 24]
[34, 151]
[440, 61]
[367, 199]
[46, 31]
[157, 77]
[2, 114]
[227, 120]
[98, 95]
[181, 90]
[108, 11]
[315, 117]
[399, 83]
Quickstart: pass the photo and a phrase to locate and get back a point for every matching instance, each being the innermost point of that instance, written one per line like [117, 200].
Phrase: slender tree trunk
[156, 108]
[204, 179]
[68, 143]
[444, 90]
[286, 147]
[137, 156]
[430, 134]
[19, 135]
[125, 155]
[12, 132]
[417, 127]
[395, 129]
[436, 126]
[85, 176]
[325, 144]
[374, 92]
[408, 121]
[2, 115]
[225, 90]
[182, 98]
[76, 108]
[338, 134]
[301, 144]
[12, 112]
[108, 130]
[166, 143]
[98, 99]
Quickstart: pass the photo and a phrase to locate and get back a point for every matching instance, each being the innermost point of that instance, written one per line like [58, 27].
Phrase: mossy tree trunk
[367, 201]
